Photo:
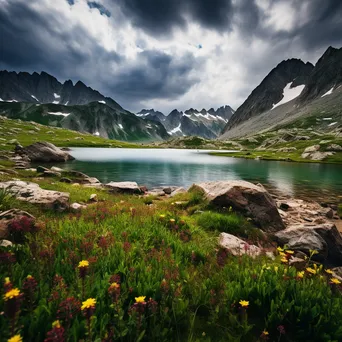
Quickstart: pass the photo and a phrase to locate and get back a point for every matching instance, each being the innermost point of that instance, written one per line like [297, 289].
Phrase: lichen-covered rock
[124, 187]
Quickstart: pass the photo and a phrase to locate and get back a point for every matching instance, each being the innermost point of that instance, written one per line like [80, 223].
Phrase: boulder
[311, 149]
[57, 169]
[7, 217]
[324, 238]
[316, 155]
[251, 200]
[124, 187]
[237, 246]
[93, 198]
[45, 152]
[334, 147]
[5, 243]
[177, 191]
[32, 193]
[77, 207]
[41, 169]
[287, 149]
[51, 174]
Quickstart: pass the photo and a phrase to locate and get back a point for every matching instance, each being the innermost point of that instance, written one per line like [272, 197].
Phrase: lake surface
[159, 167]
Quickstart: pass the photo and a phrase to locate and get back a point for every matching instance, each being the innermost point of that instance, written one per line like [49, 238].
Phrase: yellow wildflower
[7, 280]
[140, 299]
[265, 333]
[329, 271]
[89, 303]
[244, 303]
[335, 281]
[276, 268]
[284, 260]
[16, 338]
[279, 249]
[56, 324]
[172, 220]
[300, 274]
[289, 252]
[162, 216]
[311, 270]
[114, 285]
[83, 263]
[29, 277]
[11, 294]
[282, 254]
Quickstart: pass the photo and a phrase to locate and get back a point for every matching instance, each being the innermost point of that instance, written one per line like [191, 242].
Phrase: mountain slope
[291, 73]
[317, 106]
[44, 88]
[95, 118]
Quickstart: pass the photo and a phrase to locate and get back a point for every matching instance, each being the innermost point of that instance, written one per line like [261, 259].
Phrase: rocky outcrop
[45, 152]
[124, 187]
[251, 200]
[313, 153]
[9, 216]
[32, 193]
[237, 246]
[324, 238]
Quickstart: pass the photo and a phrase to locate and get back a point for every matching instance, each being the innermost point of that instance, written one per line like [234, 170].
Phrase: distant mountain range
[293, 93]
[42, 98]
[205, 123]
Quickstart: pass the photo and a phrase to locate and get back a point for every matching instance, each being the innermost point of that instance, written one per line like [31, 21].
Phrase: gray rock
[324, 238]
[51, 174]
[32, 193]
[334, 148]
[57, 169]
[177, 191]
[93, 198]
[77, 207]
[311, 149]
[46, 152]
[251, 200]
[124, 187]
[6, 243]
[237, 246]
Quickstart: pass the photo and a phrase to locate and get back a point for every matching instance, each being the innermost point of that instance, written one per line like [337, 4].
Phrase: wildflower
[7, 284]
[282, 254]
[311, 270]
[162, 216]
[29, 289]
[140, 299]
[68, 310]
[300, 275]
[16, 338]
[152, 305]
[264, 335]
[83, 263]
[276, 268]
[329, 271]
[284, 260]
[244, 303]
[56, 334]
[279, 249]
[281, 329]
[11, 294]
[114, 291]
[334, 281]
[289, 252]
[88, 304]
[172, 221]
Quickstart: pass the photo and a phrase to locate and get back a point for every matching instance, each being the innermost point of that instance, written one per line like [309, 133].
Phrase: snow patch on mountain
[328, 92]
[103, 102]
[289, 94]
[96, 133]
[34, 98]
[56, 96]
[55, 102]
[121, 126]
[176, 129]
[59, 113]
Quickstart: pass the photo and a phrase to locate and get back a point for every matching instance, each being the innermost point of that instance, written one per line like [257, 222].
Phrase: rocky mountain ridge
[294, 91]
[204, 123]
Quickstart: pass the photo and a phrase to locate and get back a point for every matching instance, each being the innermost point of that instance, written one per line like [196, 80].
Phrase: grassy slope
[196, 286]
[26, 134]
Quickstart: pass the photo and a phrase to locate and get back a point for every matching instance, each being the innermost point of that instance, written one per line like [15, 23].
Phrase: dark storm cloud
[35, 42]
[161, 16]
[158, 76]
[325, 25]
[101, 8]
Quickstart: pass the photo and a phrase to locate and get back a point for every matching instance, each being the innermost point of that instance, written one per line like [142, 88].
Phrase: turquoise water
[158, 167]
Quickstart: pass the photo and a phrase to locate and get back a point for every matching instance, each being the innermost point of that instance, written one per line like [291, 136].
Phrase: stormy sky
[166, 54]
